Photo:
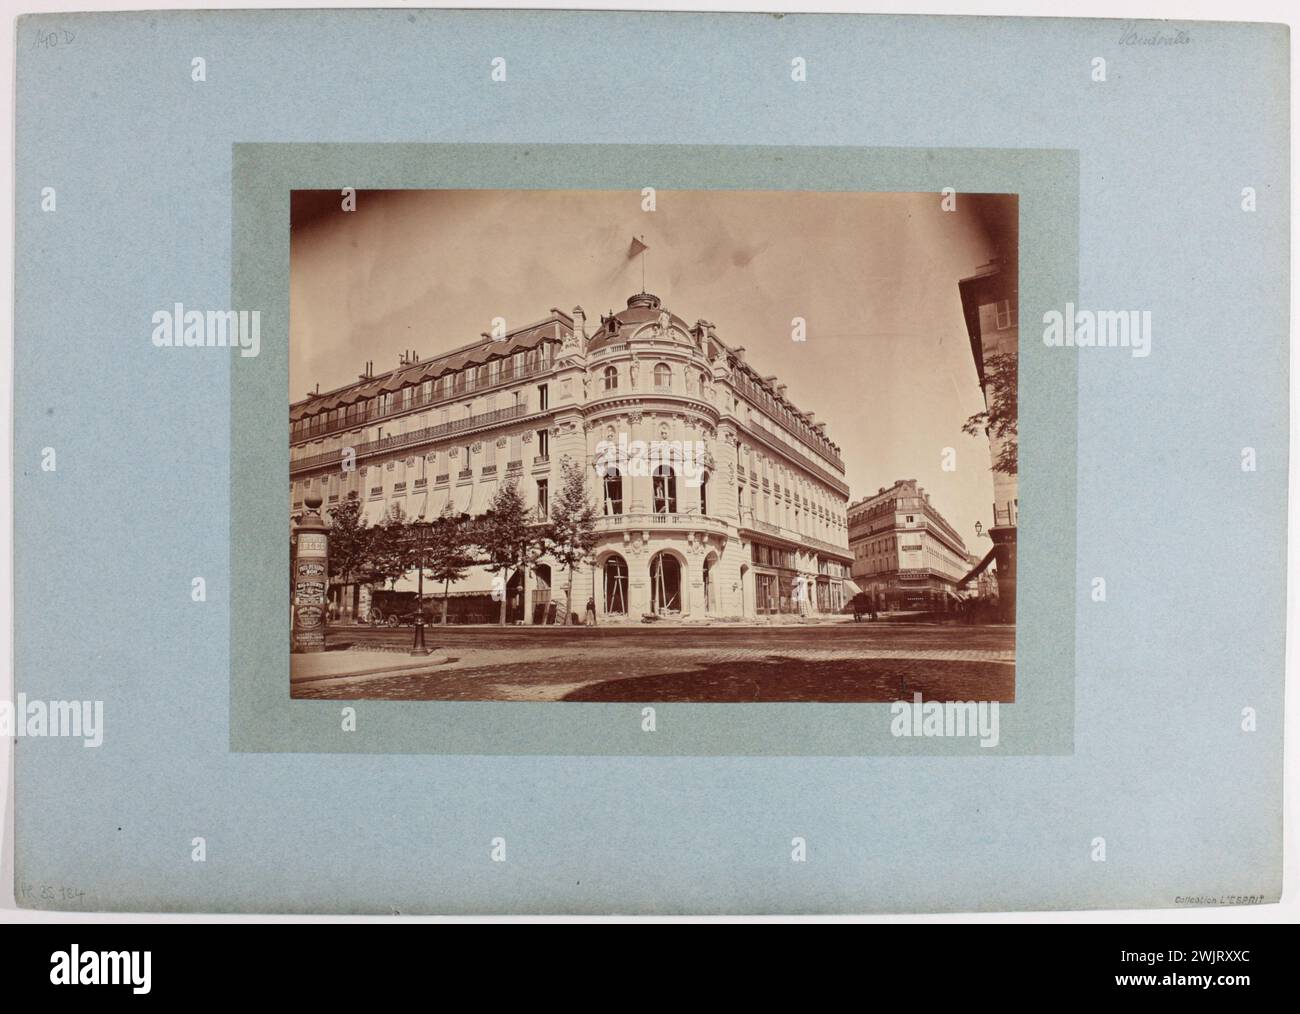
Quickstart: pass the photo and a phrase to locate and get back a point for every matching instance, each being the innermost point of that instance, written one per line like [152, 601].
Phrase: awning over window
[483, 494]
[979, 569]
[373, 511]
[460, 499]
[438, 500]
[477, 581]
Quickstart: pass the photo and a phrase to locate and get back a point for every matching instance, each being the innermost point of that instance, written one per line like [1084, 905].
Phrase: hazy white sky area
[887, 362]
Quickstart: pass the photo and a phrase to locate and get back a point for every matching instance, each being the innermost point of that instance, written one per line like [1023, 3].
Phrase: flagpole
[644, 248]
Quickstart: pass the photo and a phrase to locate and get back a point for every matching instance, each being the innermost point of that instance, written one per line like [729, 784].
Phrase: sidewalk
[779, 619]
[324, 665]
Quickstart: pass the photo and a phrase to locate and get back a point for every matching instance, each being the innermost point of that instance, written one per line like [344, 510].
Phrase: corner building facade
[904, 550]
[758, 527]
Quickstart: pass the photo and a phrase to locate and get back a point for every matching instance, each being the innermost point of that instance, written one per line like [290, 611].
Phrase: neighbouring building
[904, 549]
[984, 583]
[991, 305]
[754, 522]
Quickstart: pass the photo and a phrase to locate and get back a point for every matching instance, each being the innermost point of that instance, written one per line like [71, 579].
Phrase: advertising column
[310, 578]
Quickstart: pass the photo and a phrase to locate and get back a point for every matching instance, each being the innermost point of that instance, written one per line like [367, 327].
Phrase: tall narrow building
[991, 305]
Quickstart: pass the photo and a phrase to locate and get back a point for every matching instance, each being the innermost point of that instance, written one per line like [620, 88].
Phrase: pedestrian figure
[873, 607]
[857, 609]
[590, 620]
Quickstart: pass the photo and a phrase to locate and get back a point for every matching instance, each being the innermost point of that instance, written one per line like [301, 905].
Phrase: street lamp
[422, 534]
[423, 529]
[979, 529]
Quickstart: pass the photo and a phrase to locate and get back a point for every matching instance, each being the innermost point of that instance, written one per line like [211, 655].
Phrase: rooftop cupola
[646, 299]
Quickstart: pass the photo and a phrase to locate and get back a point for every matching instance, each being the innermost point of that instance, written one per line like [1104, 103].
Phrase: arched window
[704, 492]
[613, 491]
[665, 490]
[663, 377]
[615, 585]
[611, 378]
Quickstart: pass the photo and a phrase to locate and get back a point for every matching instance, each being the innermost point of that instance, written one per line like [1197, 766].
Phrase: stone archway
[667, 587]
[614, 583]
[710, 584]
[515, 597]
[541, 606]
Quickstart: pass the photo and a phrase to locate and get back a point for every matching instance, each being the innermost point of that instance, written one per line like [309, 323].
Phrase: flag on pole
[638, 247]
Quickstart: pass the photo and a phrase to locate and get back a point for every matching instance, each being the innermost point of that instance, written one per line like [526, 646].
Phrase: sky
[886, 365]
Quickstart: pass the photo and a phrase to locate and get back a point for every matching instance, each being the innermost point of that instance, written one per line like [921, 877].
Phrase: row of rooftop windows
[787, 417]
[417, 394]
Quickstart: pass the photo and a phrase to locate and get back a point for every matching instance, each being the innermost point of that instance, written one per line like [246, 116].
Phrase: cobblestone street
[832, 662]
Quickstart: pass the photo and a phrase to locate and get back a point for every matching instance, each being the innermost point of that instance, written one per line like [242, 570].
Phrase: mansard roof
[553, 328]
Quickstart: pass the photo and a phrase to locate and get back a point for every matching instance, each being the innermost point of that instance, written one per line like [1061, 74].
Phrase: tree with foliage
[393, 553]
[1001, 418]
[350, 540]
[508, 536]
[571, 534]
[449, 552]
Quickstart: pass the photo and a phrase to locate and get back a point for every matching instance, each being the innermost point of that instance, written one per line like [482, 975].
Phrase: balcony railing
[401, 440]
[769, 405]
[646, 519]
[784, 448]
[828, 547]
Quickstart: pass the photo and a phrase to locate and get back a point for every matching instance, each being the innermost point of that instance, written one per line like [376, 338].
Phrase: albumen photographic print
[697, 527]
